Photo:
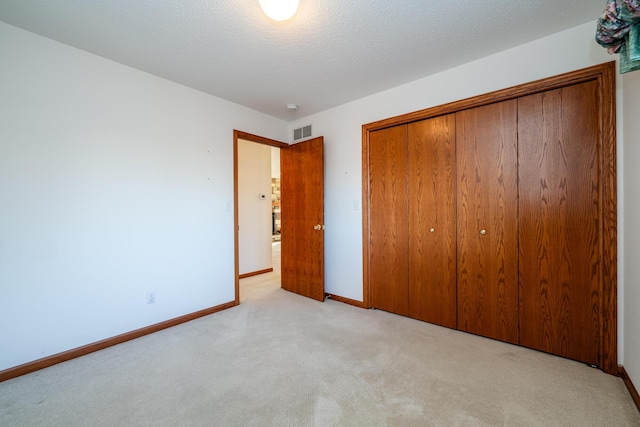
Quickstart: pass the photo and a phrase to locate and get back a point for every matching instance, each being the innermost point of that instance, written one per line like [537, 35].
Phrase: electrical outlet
[151, 297]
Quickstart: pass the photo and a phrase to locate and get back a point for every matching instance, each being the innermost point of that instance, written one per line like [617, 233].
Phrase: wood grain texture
[346, 300]
[255, 273]
[559, 205]
[432, 206]
[236, 239]
[605, 76]
[603, 72]
[302, 203]
[633, 391]
[388, 227]
[237, 134]
[366, 224]
[486, 153]
[36, 365]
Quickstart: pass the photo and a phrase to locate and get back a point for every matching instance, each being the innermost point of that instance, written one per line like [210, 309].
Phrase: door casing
[237, 135]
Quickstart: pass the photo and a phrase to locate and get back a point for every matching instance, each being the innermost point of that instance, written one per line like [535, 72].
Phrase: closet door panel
[388, 228]
[432, 222]
[559, 231]
[486, 147]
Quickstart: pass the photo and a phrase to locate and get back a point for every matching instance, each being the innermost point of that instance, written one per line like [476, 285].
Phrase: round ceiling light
[279, 10]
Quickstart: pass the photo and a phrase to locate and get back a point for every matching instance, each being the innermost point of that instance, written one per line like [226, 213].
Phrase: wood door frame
[237, 135]
[604, 75]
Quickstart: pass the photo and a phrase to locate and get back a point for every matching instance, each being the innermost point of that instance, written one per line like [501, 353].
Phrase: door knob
[432, 230]
[483, 232]
[317, 227]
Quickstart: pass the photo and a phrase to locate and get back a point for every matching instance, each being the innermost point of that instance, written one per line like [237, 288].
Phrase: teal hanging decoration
[619, 31]
[630, 50]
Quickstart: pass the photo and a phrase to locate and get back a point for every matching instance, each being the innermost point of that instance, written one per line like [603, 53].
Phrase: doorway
[256, 211]
[302, 201]
[259, 221]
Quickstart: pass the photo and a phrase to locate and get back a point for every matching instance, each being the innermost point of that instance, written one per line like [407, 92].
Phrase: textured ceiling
[330, 53]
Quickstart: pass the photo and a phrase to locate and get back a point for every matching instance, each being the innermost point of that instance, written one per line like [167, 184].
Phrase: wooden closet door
[388, 228]
[486, 147]
[559, 222]
[432, 220]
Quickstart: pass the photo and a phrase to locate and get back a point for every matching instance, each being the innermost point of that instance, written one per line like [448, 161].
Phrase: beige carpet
[279, 359]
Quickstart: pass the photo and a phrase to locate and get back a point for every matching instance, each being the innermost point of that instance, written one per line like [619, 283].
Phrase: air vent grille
[301, 133]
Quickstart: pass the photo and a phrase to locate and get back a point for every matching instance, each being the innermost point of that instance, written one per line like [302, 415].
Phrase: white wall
[342, 128]
[254, 213]
[275, 162]
[631, 236]
[113, 183]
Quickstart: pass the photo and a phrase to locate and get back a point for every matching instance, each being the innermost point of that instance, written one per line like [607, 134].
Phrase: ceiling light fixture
[279, 10]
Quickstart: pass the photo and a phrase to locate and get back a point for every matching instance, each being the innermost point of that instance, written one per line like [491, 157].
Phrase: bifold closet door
[432, 220]
[388, 228]
[559, 201]
[486, 155]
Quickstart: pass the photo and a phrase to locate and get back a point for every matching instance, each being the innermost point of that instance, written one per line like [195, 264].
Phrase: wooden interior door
[432, 220]
[486, 155]
[388, 228]
[559, 223]
[302, 216]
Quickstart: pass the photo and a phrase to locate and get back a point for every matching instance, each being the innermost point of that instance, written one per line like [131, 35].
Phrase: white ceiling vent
[301, 133]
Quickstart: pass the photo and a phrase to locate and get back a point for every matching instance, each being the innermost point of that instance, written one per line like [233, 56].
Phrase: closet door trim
[604, 75]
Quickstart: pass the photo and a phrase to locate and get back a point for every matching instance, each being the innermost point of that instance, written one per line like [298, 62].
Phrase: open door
[302, 202]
